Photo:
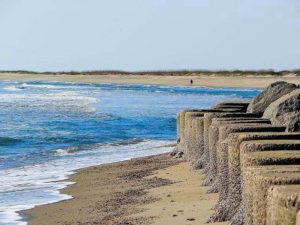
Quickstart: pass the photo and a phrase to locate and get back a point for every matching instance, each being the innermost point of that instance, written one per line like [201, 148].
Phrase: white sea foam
[61, 101]
[12, 88]
[43, 86]
[25, 86]
[11, 215]
[62, 152]
[26, 187]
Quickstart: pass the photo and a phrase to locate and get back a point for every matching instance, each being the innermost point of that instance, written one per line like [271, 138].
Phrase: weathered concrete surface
[285, 111]
[243, 104]
[228, 135]
[253, 142]
[207, 123]
[249, 159]
[233, 135]
[287, 157]
[181, 124]
[269, 95]
[229, 176]
[182, 133]
[194, 129]
[257, 181]
[214, 139]
[256, 146]
[186, 135]
[283, 204]
[266, 145]
[298, 218]
[236, 107]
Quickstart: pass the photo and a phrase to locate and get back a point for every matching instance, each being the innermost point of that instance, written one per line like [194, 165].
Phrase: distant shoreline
[295, 72]
[207, 79]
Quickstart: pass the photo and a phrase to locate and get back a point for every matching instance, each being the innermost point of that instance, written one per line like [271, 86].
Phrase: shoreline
[59, 191]
[129, 192]
[38, 213]
[243, 81]
[46, 194]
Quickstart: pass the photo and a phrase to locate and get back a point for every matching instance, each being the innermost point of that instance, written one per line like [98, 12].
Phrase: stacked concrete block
[278, 142]
[258, 180]
[229, 164]
[283, 203]
[245, 157]
[185, 123]
[215, 139]
[208, 117]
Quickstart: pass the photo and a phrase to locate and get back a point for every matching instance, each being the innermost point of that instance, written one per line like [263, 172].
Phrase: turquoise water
[51, 129]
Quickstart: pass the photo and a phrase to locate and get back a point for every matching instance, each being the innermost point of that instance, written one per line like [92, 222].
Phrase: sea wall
[251, 162]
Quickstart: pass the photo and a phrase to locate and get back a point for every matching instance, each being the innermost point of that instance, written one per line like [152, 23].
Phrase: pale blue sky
[54, 35]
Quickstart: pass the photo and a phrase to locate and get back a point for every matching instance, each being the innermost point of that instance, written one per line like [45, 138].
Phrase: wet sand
[151, 190]
[167, 80]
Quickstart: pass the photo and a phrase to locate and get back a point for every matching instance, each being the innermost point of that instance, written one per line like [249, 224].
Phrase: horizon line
[143, 72]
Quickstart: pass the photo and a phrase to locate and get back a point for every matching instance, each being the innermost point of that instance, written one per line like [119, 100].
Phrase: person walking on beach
[191, 82]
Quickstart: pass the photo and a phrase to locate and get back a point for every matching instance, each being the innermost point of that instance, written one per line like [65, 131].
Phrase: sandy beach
[156, 190]
[151, 190]
[243, 81]
[149, 112]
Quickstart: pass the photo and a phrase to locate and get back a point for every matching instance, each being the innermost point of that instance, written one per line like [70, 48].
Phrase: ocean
[50, 129]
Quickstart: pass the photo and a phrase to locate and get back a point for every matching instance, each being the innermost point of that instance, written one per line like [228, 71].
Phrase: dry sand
[199, 80]
[182, 202]
[151, 190]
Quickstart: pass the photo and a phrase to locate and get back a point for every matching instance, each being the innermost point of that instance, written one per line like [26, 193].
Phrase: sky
[133, 35]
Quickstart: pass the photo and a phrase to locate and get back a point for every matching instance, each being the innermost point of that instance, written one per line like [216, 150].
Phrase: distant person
[191, 82]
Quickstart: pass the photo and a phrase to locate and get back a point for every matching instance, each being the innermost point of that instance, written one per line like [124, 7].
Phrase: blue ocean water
[50, 129]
